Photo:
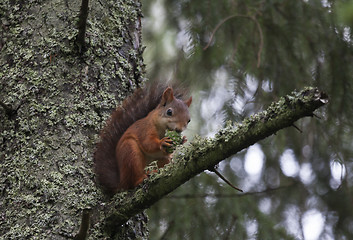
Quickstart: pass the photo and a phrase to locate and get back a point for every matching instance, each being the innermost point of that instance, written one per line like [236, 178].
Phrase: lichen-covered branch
[204, 153]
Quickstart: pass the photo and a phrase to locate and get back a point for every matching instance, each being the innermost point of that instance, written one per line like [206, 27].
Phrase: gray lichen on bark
[61, 101]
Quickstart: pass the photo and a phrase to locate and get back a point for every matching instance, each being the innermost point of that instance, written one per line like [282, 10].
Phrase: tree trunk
[55, 97]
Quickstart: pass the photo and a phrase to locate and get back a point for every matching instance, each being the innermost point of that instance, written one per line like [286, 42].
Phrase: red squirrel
[134, 136]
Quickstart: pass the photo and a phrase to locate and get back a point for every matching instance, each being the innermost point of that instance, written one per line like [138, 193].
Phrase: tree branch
[232, 195]
[204, 153]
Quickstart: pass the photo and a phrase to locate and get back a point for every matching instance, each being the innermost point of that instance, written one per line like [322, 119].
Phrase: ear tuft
[167, 96]
[188, 102]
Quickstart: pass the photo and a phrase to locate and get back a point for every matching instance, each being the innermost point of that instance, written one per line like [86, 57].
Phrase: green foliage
[345, 12]
[243, 55]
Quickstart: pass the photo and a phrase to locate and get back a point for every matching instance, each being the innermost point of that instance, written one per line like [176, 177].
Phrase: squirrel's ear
[167, 96]
[188, 102]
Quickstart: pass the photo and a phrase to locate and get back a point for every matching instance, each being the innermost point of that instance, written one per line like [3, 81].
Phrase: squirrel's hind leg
[163, 161]
[131, 164]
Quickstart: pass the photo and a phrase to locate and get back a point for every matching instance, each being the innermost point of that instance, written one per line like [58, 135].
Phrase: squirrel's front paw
[166, 143]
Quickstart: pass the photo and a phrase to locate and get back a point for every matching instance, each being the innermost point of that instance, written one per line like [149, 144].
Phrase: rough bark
[53, 102]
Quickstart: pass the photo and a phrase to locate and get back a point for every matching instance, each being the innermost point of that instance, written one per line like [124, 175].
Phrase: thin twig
[241, 16]
[225, 180]
[297, 128]
[314, 115]
[219, 25]
[261, 40]
[221, 195]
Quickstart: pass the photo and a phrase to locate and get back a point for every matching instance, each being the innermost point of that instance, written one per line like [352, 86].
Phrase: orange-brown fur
[134, 136]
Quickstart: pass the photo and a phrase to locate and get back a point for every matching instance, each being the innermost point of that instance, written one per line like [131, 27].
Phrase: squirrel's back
[133, 108]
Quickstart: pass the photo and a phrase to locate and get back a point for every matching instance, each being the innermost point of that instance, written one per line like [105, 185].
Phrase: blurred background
[237, 57]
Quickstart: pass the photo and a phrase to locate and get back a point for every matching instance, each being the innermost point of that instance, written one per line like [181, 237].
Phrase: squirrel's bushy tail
[133, 108]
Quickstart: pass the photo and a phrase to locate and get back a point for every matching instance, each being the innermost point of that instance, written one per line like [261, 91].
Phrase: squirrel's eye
[169, 112]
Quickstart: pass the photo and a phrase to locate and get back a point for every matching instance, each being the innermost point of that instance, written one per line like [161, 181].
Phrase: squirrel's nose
[178, 130]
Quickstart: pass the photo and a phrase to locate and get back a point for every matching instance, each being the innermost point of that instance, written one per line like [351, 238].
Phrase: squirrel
[134, 136]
